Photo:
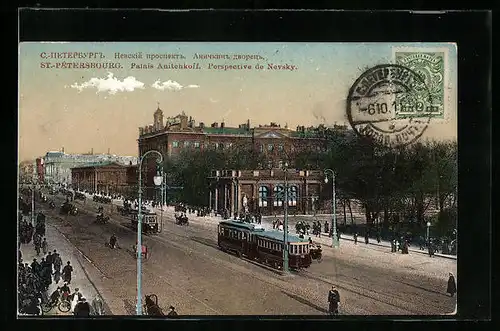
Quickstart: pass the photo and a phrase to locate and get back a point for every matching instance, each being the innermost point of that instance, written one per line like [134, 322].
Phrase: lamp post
[158, 181]
[335, 241]
[285, 221]
[428, 227]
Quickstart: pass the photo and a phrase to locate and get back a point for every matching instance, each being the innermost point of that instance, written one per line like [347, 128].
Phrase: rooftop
[277, 235]
[226, 130]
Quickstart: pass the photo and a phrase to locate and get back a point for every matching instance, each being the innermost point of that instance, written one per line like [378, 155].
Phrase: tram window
[300, 249]
[274, 246]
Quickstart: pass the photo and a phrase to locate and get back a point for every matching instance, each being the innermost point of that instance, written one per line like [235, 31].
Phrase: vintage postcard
[198, 179]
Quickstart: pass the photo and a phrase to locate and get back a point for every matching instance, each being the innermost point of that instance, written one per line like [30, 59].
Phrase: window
[175, 144]
[270, 147]
[186, 144]
[292, 195]
[229, 145]
[261, 148]
[196, 144]
[216, 145]
[263, 195]
[278, 196]
[280, 164]
[280, 148]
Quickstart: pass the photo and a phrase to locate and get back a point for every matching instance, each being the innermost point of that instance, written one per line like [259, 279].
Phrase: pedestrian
[355, 238]
[44, 245]
[333, 301]
[66, 272]
[366, 238]
[57, 261]
[57, 275]
[97, 306]
[431, 250]
[35, 266]
[82, 308]
[172, 311]
[74, 298]
[452, 285]
[50, 259]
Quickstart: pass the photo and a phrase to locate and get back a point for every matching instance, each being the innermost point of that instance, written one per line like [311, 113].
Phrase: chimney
[248, 124]
[215, 125]
[108, 150]
[202, 125]
[92, 151]
[222, 125]
[129, 163]
[62, 150]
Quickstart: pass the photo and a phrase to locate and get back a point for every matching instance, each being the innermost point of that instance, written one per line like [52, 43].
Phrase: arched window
[292, 195]
[263, 195]
[278, 196]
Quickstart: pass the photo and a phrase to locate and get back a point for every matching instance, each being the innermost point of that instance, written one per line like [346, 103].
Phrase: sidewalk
[79, 278]
[325, 240]
[267, 224]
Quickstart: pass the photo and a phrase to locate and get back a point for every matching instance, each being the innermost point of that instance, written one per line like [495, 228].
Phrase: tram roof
[278, 235]
[243, 225]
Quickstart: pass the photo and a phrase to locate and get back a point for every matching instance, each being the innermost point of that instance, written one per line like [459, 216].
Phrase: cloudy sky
[80, 109]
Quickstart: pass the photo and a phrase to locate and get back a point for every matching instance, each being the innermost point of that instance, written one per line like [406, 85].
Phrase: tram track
[188, 243]
[230, 266]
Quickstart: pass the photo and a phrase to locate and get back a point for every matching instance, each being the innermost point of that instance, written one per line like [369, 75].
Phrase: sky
[101, 108]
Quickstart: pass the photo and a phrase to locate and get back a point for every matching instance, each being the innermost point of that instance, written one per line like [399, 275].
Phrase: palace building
[262, 191]
[276, 144]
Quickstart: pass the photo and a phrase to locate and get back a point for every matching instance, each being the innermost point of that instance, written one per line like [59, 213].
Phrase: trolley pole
[139, 232]
[285, 223]
[335, 241]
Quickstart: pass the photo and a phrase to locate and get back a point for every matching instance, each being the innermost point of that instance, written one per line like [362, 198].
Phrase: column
[210, 199]
[216, 202]
[306, 198]
[233, 194]
[225, 196]
[239, 206]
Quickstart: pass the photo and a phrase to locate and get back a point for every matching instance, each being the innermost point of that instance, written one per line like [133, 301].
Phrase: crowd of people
[36, 276]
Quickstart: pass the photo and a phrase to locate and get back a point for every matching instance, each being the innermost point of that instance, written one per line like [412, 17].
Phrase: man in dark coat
[334, 301]
[35, 266]
[57, 261]
[82, 308]
[67, 270]
[452, 285]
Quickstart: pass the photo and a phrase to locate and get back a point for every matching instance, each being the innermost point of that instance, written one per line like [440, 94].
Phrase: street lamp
[158, 180]
[428, 227]
[335, 241]
[285, 221]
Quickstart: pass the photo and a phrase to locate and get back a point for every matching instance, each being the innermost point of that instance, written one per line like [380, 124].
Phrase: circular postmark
[390, 103]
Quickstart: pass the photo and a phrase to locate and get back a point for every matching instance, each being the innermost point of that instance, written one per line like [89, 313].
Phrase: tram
[149, 221]
[266, 247]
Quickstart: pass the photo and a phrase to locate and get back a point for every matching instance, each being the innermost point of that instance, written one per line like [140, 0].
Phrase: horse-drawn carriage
[68, 209]
[144, 251]
[181, 219]
[101, 199]
[316, 252]
[80, 196]
[302, 228]
[101, 219]
[125, 210]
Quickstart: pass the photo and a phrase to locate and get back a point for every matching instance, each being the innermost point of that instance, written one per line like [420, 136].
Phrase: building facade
[274, 143]
[262, 191]
[105, 178]
[58, 165]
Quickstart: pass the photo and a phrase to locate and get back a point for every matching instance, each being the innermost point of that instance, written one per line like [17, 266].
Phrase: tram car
[266, 247]
[149, 221]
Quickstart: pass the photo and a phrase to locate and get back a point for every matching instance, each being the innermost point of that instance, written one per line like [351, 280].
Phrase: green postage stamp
[431, 66]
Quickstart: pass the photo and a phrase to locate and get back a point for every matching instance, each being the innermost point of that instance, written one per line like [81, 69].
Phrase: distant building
[105, 177]
[40, 172]
[57, 165]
